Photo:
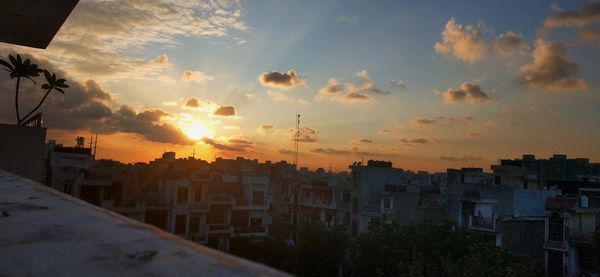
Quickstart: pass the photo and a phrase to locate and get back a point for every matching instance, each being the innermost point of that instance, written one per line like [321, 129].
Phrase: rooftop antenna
[297, 139]
[95, 145]
[91, 140]
[194, 152]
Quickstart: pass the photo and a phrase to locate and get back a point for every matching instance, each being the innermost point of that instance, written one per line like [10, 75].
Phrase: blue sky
[507, 77]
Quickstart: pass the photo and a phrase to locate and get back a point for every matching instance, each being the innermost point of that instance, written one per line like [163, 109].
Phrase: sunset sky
[425, 84]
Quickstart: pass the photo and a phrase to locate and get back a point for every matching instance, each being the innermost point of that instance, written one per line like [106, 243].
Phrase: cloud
[348, 92]
[147, 125]
[509, 47]
[464, 44]
[420, 123]
[285, 151]
[363, 140]
[169, 103]
[461, 159]
[162, 59]
[348, 19]
[489, 125]
[280, 80]
[86, 106]
[225, 111]
[306, 134]
[398, 83]
[551, 68]
[195, 76]
[330, 151]
[97, 33]
[589, 34]
[233, 145]
[266, 128]
[587, 15]
[470, 93]
[418, 140]
[278, 96]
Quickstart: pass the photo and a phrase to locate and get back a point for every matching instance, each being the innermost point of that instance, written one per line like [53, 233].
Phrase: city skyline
[427, 88]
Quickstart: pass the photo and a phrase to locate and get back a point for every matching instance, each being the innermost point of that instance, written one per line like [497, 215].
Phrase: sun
[196, 131]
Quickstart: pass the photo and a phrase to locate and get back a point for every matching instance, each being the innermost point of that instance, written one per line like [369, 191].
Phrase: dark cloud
[285, 151]
[440, 120]
[419, 140]
[266, 128]
[551, 68]
[330, 151]
[589, 34]
[509, 47]
[460, 159]
[364, 140]
[307, 134]
[467, 92]
[233, 145]
[86, 107]
[280, 80]
[587, 15]
[192, 102]
[225, 111]
[398, 83]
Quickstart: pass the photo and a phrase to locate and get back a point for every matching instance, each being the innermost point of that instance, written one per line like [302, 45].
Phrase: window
[555, 227]
[387, 203]
[498, 180]
[354, 205]
[258, 198]
[180, 221]
[198, 193]
[346, 196]
[194, 224]
[182, 195]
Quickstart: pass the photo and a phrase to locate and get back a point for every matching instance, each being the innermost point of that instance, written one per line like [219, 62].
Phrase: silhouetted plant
[19, 68]
[52, 83]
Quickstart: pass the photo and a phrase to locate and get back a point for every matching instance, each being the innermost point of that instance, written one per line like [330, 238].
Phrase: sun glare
[196, 131]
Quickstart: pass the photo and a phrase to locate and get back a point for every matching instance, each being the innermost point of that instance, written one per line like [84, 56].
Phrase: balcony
[257, 231]
[220, 199]
[219, 228]
[244, 204]
[84, 239]
[317, 203]
[482, 223]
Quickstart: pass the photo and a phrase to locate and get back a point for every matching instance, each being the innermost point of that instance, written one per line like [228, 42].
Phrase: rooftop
[47, 233]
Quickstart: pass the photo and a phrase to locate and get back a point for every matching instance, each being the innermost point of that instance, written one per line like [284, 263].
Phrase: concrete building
[569, 227]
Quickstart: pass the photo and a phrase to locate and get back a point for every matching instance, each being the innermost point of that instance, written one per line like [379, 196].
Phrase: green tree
[431, 249]
[270, 251]
[321, 250]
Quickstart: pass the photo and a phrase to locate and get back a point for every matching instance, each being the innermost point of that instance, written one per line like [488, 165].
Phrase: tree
[20, 69]
[431, 249]
[52, 83]
[269, 251]
[321, 250]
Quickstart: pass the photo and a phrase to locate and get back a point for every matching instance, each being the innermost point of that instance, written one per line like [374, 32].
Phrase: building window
[498, 180]
[198, 194]
[346, 196]
[194, 224]
[68, 188]
[387, 203]
[182, 195]
[354, 229]
[258, 198]
[555, 227]
[354, 205]
[180, 221]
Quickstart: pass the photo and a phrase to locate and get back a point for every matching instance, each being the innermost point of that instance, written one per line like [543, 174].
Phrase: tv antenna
[297, 140]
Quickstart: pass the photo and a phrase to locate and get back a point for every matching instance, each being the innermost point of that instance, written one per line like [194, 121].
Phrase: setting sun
[196, 131]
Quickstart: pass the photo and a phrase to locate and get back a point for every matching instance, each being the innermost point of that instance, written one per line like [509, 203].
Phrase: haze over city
[424, 84]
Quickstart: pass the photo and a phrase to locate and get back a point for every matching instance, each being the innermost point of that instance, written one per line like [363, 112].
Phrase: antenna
[95, 145]
[194, 152]
[297, 140]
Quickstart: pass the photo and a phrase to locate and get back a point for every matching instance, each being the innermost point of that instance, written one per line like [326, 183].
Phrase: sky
[428, 85]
